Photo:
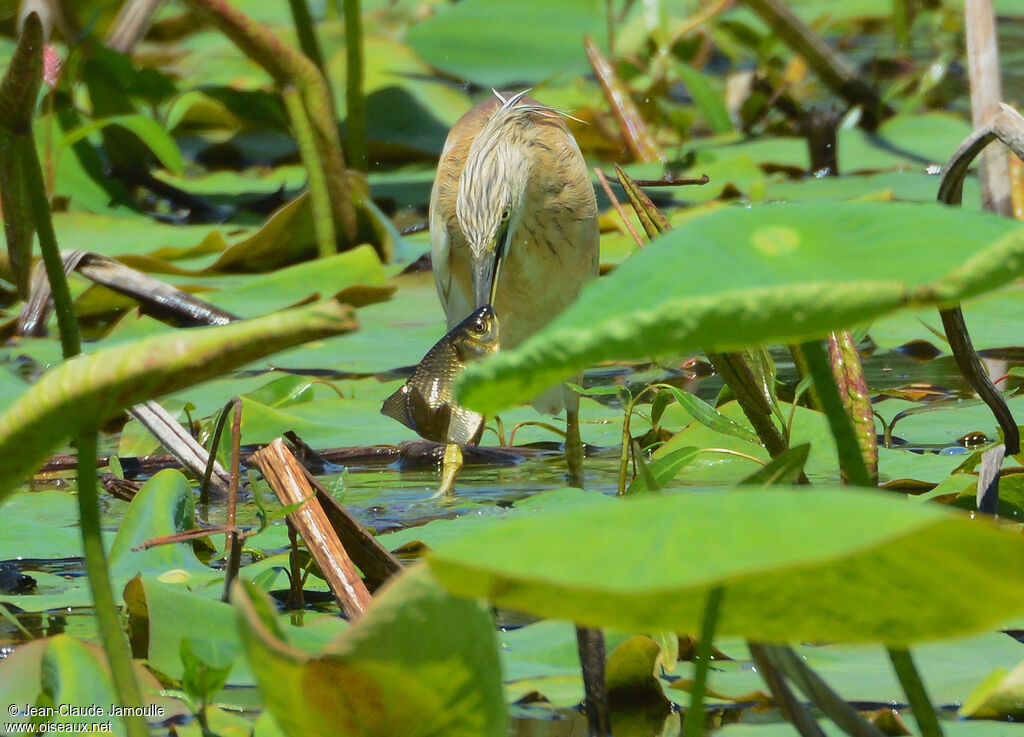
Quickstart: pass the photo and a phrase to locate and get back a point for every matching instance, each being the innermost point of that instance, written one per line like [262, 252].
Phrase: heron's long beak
[486, 269]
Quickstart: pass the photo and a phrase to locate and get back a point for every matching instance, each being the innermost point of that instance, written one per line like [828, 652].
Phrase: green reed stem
[70, 339]
[308, 42]
[851, 461]
[355, 103]
[913, 687]
[693, 724]
[111, 634]
[319, 195]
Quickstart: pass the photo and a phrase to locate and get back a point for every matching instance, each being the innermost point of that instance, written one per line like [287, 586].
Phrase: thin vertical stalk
[853, 390]
[901, 23]
[307, 35]
[355, 105]
[70, 340]
[111, 635]
[851, 462]
[624, 453]
[914, 688]
[233, 541]
[319, 195]
[792, 710]
[204, 484]
[591, 648]
[693, 724]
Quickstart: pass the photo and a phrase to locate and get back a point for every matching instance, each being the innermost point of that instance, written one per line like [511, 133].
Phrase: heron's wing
[449, 252]
[440, 247]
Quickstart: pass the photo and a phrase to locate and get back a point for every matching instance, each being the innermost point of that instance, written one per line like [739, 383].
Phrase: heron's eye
[506, 214]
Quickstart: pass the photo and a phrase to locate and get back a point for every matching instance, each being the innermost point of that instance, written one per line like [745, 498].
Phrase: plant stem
[111, 634]
[693, 724]
[626, 445]
[901, 23]
[218, 431]
[233, 541]
[319, 196]
[355, 105]
[820, 694]
[70, 341]
[591, 648]
[792, 710]
[913, 687]
[307, 35]
[851, 462]
[853, 390]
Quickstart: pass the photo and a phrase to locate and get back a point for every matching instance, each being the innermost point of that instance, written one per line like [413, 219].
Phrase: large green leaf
[163, 506]
[737, 277]
[88, 390]
[166, 615]
[795, 565]
[420, 662]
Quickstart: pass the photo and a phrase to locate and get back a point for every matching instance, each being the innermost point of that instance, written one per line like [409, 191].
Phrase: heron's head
[492, 192]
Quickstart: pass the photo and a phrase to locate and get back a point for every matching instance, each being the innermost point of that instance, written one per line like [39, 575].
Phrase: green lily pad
[795, 565]
[801, 276]
[163, 506]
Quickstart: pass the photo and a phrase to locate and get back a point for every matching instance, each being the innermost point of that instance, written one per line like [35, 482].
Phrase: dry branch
[639, 139]
[287, 478]
[986, 94]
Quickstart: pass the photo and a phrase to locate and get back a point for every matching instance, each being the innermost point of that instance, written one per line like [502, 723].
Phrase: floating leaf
[163, 506]
[829, 564]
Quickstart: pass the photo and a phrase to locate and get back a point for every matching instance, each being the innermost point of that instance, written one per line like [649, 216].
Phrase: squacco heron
[513, 224]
